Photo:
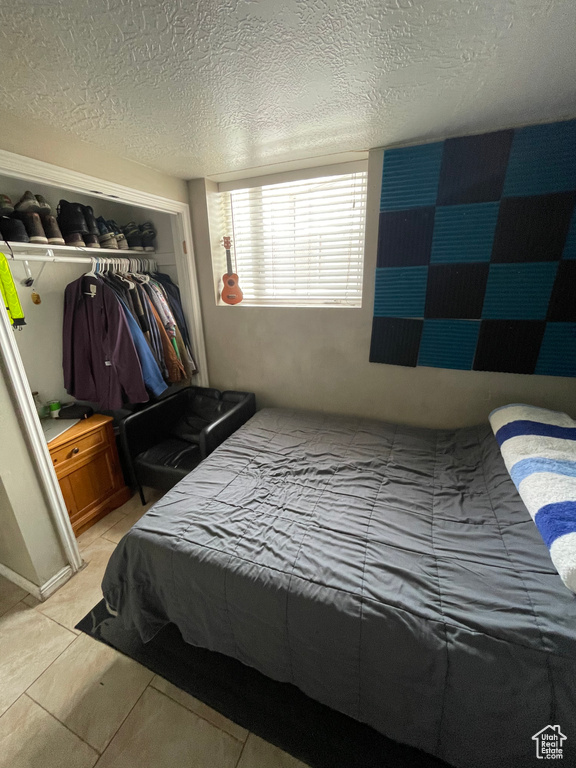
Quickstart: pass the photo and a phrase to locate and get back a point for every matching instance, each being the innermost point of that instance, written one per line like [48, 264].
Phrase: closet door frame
[37, 171]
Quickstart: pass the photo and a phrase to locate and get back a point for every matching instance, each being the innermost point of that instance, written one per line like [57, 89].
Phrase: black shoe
[90, 220]
[13, 230]
[91, 241]
[27, 204]
[71, 218]
[34, 227]
[133, 236]
[148, 235]
[75, 239]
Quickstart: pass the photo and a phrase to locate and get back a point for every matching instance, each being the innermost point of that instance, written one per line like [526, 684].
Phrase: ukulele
[231, 292]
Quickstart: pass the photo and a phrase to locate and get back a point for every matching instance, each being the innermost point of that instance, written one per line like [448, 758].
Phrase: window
[299, 243]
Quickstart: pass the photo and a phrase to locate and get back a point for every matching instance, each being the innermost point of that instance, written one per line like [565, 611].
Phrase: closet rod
[51, 257]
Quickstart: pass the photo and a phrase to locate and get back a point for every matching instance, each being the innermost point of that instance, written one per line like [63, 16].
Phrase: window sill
[288, 306]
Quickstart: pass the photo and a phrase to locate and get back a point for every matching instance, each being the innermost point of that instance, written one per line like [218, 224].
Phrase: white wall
[40, 340]
[318, 358]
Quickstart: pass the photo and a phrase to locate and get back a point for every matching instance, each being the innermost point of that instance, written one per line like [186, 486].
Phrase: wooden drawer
[89, 485]
[78, 449]
[88, 470]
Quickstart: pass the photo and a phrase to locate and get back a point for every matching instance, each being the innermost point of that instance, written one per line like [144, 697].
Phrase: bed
[390, 572]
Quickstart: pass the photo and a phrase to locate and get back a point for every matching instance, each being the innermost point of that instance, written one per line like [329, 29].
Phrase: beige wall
[13, 551]
[28, 542]
[34, 139]
[318, 358]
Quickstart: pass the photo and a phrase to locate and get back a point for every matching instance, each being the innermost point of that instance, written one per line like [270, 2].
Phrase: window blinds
[299, 242]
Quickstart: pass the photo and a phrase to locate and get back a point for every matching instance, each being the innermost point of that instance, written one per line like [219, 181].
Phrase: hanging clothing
[175, 301]
[124, 289]
[140, 315]
[150, 370]
[160, 301]
[170, 321]
[163, 312]
[161, 305]
[9, 294]
[186, 360]
[176, 372]
[155, 341]
[99, 357]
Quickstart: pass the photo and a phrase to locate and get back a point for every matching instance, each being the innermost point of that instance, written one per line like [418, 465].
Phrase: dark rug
[277, 712]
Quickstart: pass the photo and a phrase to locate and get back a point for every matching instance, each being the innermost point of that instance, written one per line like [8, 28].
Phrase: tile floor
[67, 701]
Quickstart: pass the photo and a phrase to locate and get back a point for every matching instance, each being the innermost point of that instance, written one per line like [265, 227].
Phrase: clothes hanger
[93, 267]
[125, 267]
[93, 273]
[122, 271]
[142, 276]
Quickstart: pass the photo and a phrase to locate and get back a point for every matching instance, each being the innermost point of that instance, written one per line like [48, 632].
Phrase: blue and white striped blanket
[539, 450]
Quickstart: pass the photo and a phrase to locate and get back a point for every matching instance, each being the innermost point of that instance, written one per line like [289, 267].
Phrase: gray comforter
[392, 573]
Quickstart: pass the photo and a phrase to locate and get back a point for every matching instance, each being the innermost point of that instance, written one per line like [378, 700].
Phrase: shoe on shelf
[71, 218]
[75, 239]
[45, 208]
[6, 206]
[90, 220]
[91, 241]
[27, 204]
[52, 230]
[13, 230]
[148, 235]
[34, 227]
[106, 237]
[133, 236]
[118, 234]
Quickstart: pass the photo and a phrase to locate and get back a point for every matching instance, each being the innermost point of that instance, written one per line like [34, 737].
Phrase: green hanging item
[9, 294]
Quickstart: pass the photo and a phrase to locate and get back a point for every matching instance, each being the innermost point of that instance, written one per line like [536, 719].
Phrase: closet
[39, 341]
[32, 356]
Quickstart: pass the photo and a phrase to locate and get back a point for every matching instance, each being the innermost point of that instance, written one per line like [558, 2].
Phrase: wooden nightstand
[88, 470]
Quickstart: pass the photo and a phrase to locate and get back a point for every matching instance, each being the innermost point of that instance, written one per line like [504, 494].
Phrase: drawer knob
[75, 451]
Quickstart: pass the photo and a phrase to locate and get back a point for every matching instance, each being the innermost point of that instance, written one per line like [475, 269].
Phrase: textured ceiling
[201, 88]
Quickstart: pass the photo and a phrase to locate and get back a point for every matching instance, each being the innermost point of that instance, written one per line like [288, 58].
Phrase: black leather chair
[165, 441]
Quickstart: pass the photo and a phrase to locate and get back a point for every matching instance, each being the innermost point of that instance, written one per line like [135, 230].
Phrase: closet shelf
[70, 250]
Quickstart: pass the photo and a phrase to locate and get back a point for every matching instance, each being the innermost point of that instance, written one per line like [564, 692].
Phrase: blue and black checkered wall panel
[477, 253]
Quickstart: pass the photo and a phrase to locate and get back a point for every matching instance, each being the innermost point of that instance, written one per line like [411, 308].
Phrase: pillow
[539, 450]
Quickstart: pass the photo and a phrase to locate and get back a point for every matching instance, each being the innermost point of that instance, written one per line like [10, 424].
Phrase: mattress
[390, 572]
